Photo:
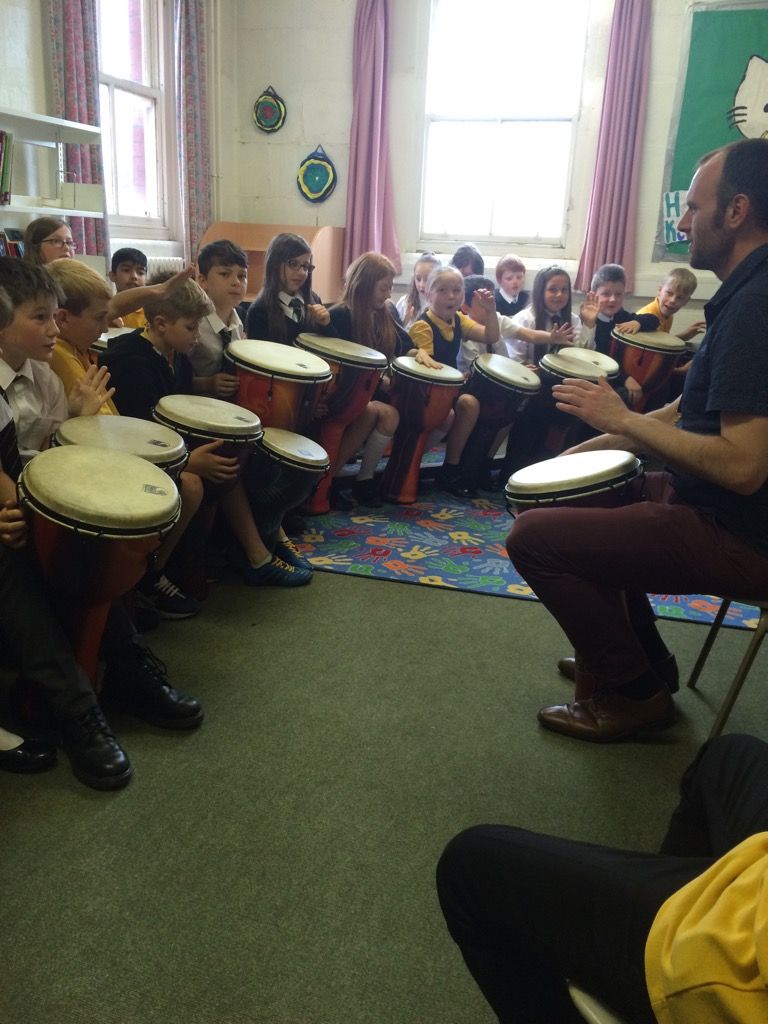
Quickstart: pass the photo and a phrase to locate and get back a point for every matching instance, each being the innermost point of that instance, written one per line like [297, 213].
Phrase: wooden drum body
[283, 470]
[356, 371]
[96, 517]
[423, 397]
[598, 479]
[503, 388]
[200, 420]
[649, 357]
[282, 385]
[554, 368]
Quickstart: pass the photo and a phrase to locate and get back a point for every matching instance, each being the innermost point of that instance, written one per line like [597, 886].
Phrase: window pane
[136, 156]
[497, 59]
[459, 178]
[106, 148]
[531, 188]
[123, 50]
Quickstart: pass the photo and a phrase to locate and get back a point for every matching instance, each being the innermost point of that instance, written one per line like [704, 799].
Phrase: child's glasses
[61, 243]
[298, 265]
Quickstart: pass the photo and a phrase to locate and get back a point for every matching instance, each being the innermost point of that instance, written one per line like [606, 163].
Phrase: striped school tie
[10, 460]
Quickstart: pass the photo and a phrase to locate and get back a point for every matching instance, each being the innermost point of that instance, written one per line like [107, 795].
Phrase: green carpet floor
[276, 867]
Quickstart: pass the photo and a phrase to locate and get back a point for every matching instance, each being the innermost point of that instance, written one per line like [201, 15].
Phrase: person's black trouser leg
[35, 641]
[529, 911]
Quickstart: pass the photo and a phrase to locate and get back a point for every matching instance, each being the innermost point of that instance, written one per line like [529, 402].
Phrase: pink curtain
[192, 120]
[370, 204]
[612, 216]
[74, 65]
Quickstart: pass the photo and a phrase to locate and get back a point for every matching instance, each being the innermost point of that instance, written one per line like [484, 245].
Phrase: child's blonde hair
[438, 272]
[80, 284]
[188, 300]
[413, 299]
[683, 278]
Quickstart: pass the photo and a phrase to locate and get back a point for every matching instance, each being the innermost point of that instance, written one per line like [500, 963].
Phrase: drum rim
[209, 433]
[307, 378]
[425, 379]
[582, 489]
[528, 388]
[633, 342]
[91, 529]
[176, 458]
[563, 374]
[348, 359]
[278, 456]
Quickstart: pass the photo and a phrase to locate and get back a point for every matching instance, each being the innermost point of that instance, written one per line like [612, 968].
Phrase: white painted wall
[304, 51]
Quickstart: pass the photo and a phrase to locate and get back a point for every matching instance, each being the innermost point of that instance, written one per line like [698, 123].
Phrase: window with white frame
[137, 117]
[504, 84]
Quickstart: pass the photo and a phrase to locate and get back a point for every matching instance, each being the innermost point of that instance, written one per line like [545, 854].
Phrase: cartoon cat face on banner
[749, 112]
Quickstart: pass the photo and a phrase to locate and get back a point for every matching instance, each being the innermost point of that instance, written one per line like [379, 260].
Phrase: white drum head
[507, 372]
[274, 360]
[571, 472]
[208, 417]
[98, 493]
[150, 441]
[579, 362]
[295, 449]
[446, 376]
[342, 351]
[656, 341]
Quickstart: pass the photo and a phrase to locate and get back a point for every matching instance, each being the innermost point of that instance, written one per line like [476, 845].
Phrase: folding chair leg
[741, 675]
[711, 636]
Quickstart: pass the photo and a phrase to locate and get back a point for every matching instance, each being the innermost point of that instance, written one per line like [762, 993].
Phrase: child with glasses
[47, 239]
[286, 306]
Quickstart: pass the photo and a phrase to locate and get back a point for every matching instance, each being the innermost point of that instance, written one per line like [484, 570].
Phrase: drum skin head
[295, 448]
[342, 351]
[107, 493]
[408, 367]
[568, 472]
[209, 417]
[274, 360]
[507, 371]
[151, 441]
[579, 362]
[657, 341]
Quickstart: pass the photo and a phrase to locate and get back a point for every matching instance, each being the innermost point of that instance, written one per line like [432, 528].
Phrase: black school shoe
[366, 492]
[137, 681]
[31, 755]
[96, 757]
[452, 479]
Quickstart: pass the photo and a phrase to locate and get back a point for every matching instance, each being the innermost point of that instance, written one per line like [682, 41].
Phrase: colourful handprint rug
[455, 544]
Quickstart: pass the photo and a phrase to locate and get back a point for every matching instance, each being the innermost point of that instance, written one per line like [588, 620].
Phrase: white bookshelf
[47, 133]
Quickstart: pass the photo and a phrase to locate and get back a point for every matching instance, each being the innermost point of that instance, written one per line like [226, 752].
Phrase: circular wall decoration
[269, 111]
[317, 176]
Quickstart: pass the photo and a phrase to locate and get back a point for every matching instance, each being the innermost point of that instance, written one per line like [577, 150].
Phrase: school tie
[226, 335]
[298, 310]
[10, 460]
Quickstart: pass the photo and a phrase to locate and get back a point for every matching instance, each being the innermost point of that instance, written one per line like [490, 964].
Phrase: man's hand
[595, 403]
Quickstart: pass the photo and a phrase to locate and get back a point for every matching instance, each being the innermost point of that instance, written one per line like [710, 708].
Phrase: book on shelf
[6, 167]
[11, 242]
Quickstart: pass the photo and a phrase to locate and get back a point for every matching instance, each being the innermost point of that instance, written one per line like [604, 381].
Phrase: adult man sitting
[700, 527]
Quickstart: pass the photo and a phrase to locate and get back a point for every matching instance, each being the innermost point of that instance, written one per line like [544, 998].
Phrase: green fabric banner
[725, 99]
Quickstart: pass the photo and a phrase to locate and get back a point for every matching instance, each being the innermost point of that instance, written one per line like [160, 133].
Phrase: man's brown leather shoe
[609, 716]
[666, 670]
[567, 667]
